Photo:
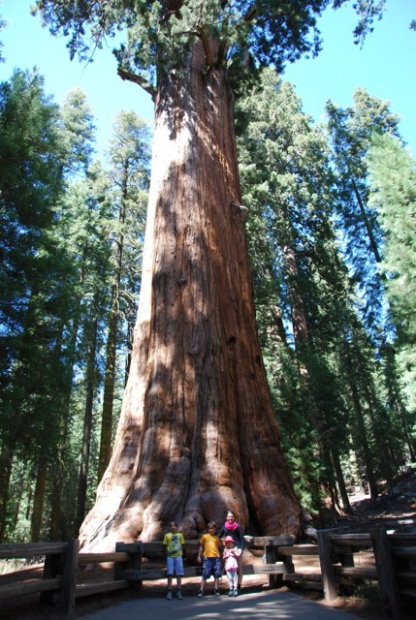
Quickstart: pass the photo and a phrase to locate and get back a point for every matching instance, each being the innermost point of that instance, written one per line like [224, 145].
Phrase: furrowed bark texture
[197, 435]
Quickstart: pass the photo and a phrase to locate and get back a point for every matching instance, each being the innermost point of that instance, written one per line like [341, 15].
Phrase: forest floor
[396, 510]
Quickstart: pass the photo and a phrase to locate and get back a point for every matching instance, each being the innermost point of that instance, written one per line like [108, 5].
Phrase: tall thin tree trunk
[111, 354]
[382, 441]
[340, 480]
[38, 499]
[197, 434]
[302, 342]
[86, 437]
[109, 384]
[363, 439]
[395, 400]
[371, 238]
[6, 460]
[58, 519]
[129, 338]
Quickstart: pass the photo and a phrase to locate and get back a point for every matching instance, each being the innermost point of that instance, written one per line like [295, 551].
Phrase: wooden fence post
[271, 558]
[329, 581]
[69, 578]
[135, 553]
[286, 559]
[118, 566]
[346, 557]
[52, 567]
[385, 572]
[136, 561]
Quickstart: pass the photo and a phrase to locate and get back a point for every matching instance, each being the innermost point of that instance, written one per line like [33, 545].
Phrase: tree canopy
[187, 54]
[251, 33]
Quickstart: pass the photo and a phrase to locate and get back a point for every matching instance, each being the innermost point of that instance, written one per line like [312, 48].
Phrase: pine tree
[291, 199]
[32, 276]
[393, 195]
[77, 136]
[129, 178]
[351, 132]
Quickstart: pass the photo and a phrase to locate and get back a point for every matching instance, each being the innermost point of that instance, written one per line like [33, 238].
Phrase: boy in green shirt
[174, 542]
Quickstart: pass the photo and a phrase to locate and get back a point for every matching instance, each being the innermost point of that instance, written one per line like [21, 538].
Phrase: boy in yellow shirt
[209, 553]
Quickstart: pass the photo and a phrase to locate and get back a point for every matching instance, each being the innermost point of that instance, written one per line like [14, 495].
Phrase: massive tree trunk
[197, 434]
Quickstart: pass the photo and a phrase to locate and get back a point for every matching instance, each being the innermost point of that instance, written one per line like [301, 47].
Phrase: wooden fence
[392, 564]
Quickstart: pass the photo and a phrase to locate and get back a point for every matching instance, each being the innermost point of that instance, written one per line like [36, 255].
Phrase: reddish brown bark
[197, 434]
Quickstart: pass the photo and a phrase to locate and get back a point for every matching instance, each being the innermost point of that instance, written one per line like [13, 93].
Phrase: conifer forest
[221, 313]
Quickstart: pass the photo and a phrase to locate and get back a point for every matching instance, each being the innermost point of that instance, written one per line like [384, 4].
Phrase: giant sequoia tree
[197, 431]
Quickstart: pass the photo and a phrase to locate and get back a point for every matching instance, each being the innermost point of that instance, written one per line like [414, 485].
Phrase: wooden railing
[391, 562]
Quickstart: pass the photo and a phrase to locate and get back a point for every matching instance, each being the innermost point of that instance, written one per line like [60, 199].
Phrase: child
[231, 555]
[210, 552]
[232, 528]
[174, 541]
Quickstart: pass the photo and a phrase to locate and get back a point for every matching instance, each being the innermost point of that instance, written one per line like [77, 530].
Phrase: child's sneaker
[235, 593]
[179, 595]
[217, 593]
[169, 595]
[200, 593]
[230, 593]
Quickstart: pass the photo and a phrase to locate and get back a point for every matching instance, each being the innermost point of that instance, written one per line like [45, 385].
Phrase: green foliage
[60, 222]
[78, 132]
[351, 132]
[21, 492]
[129, 176]
[393, 194]
[32, 270]
[332, 395]
[289, 193]
[159, 34]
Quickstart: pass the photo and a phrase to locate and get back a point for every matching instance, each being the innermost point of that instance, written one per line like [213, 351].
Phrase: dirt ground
[396, 510]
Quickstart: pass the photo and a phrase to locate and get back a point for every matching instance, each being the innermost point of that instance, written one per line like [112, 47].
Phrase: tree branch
[137, 79]
[251, 13]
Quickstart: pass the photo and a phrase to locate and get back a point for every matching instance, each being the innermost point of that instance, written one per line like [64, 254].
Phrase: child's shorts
[212, 566]
[174, 566]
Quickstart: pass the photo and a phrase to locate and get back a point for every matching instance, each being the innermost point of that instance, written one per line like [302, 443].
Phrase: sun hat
[229, 539]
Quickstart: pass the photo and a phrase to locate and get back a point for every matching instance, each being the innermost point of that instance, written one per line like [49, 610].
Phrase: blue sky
[386, 67]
